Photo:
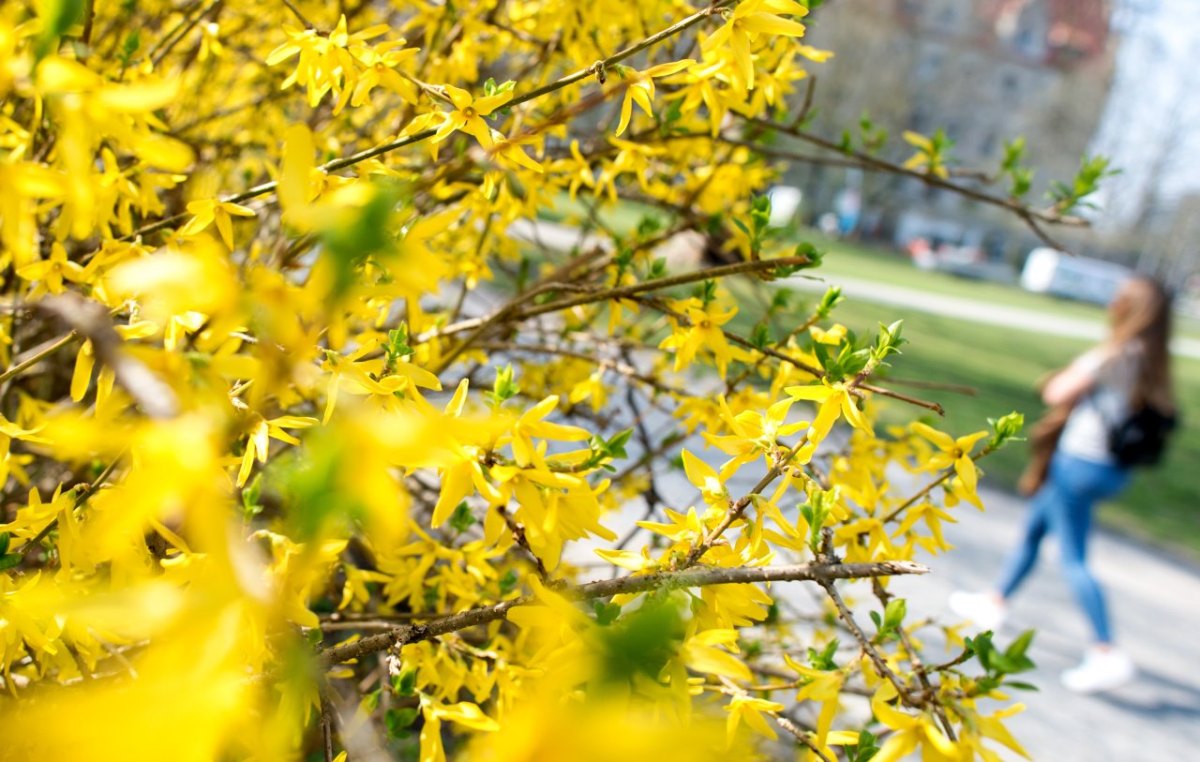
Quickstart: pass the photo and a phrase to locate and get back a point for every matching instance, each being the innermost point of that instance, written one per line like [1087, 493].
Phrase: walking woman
[1101, 388]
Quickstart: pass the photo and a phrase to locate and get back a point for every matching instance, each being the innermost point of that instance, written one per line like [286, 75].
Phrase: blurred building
[985, 71]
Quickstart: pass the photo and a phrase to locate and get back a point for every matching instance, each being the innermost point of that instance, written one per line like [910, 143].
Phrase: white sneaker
[981, 608]
[1101, 670]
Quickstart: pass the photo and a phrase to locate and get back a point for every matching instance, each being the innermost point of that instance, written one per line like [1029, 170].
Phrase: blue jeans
[1064, 505]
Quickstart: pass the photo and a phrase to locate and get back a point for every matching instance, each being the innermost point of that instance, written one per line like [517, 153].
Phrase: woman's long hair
[1141, 313]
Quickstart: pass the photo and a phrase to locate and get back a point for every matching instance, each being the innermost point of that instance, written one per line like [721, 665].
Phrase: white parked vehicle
[1049, 271]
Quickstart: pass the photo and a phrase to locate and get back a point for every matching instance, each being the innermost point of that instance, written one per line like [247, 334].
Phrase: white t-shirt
[1115, 375]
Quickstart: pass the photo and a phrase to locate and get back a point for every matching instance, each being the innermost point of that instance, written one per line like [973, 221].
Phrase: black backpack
[1141, 438]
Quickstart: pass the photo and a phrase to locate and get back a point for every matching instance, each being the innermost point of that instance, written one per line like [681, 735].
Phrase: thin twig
[87, 492]
[895, 512]
[296, 12]
[91, 320]
[693, 577]
[615, 293]
[1031, 216]
[918, 666]
[37, 354]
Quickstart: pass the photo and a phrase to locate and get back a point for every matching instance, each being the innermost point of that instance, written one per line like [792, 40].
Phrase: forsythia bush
[307, 454]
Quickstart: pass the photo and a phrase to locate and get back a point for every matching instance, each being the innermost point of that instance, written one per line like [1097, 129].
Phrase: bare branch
[672, 580]
[91, 320]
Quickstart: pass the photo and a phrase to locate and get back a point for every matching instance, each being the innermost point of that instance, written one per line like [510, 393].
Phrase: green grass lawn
[871, 263]
[1002, 366]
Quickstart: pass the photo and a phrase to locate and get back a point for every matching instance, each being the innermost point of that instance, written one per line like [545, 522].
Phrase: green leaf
[508, 582]
[504, 387]
[251, 493]
[129, 46]
[1020, 685]
[5, 537]
[57, 17]
[616, 444]
[830, 299]
[360, 232]
[606, 613]
[1006, 429]
[405, 684]
[370, 702]
[1018, 647]
[760, 337]
[9, 560]
[894, 613]
[823, 659]
[983, 649]
[398, 720]
[644, 640]
[658, 268]
[865, 749]
[462, 519]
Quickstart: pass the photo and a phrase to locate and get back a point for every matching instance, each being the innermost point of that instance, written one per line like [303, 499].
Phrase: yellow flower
[930, 154]
[468, 115]
[753, 433]
[704, 478]
[51, 272]
[750, 710]
[258, 439]
[208, 211]
[836, 400]
[703, 331]
[640, 90]
[909, 732]
[747, 21]
[824, 686]
[953, 452]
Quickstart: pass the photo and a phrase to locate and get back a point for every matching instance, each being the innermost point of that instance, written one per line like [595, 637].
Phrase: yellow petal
[147, 95]
[489, 103]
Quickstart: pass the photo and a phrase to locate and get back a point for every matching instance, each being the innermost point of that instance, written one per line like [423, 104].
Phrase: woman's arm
[1072, 383]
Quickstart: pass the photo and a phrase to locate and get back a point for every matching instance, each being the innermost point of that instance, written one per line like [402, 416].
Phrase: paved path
[1155, 606]
[974, 310]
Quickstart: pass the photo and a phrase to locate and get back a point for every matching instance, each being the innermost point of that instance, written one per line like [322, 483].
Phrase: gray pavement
[1154, 601]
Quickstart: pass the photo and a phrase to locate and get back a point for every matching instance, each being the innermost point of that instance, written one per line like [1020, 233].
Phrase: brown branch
[618, 367]
[848, 620]
[91, 320]
[599, 67]
[296, 12]
[918, 666]
[800, 364]
[737, 508]
[522, 540]
[620, 292]
[694, 577]
[37, 354]
[793, 730]
[1031, 216]
[483, 325]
